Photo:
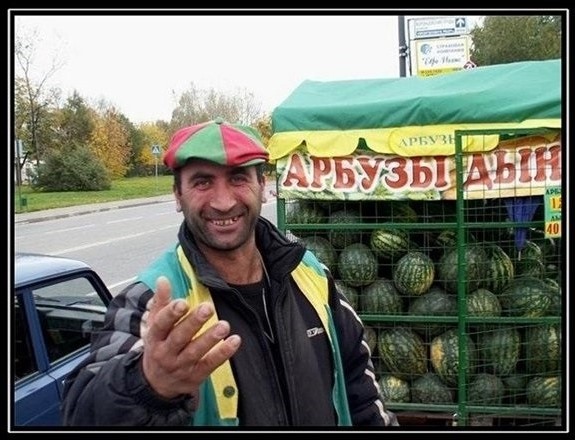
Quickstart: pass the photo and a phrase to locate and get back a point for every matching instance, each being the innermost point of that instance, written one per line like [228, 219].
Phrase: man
[234, 325]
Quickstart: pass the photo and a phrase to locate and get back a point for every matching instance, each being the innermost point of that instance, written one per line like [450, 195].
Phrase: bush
[75, 169]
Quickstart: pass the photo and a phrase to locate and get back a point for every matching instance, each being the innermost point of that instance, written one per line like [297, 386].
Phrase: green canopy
[417, 115]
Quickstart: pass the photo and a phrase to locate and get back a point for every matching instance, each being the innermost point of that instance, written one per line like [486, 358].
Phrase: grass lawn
[27, 200]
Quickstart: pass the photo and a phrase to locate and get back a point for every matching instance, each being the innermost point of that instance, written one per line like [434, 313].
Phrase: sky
[137, 62]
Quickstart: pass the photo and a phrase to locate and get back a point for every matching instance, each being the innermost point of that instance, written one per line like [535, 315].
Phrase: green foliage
[74, 170]
[507, 39]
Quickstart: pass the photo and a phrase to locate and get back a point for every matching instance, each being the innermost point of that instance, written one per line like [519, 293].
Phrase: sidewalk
[49, 214]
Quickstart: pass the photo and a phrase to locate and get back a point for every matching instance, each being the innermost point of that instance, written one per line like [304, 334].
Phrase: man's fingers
[163, 293]
[218, 354]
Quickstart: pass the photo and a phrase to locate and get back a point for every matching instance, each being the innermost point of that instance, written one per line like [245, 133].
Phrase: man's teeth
[226, 222]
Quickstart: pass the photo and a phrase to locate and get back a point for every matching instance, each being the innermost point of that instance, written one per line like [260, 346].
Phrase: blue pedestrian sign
[156, 150]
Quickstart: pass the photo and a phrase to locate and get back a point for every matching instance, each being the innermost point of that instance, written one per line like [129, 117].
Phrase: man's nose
[222, 197]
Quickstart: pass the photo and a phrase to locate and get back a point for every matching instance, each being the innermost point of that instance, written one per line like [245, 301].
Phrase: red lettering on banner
[344, 174]
[503, 167]
[296, 175]
[371, 172]
[321, 169]
[401, 177]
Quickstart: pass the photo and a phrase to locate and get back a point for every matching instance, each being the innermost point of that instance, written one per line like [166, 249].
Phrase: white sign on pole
[430, 27]
[156, 150]
[441, 55]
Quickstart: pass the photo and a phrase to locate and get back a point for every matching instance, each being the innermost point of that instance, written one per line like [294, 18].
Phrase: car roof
[33, 267]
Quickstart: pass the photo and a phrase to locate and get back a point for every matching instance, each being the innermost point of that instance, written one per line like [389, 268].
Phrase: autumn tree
[507, 39]
[152, 134]
[109, 141]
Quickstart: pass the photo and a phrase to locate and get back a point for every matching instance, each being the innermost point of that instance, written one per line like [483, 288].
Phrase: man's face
[221, 204]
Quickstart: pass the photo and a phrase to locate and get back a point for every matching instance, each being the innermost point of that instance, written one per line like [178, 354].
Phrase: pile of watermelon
[409, 260]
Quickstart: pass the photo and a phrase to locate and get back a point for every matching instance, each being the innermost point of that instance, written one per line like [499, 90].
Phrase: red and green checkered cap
[225, 144]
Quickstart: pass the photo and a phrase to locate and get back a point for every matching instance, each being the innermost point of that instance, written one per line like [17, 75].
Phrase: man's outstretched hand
[176, 359]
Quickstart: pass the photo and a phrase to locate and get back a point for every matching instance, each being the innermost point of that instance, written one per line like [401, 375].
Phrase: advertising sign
[430, 27]
[441, 55]
[512, 169]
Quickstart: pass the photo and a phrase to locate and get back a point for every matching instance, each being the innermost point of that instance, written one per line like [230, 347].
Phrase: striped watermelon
[543, 351]
[544, 391]
[381, 296]
[403, 352]
[483, 302]
[414, 273]
[388, 243]
[444, 356]
[340, 238]
[434, 302]
[500, 269]
[430, 389]
[500, 350]
[526, 296]
[473, 268]
[486, 389]
[394, 390]
[357, 265]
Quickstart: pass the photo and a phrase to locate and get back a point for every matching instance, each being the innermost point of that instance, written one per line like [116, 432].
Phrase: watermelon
[402, 212]
[500, 269]
[448, 238]
[303, 212]
[544, 391]
[414, 273]
[483, 303]
[350, 293]
[340, 238]
[434, 302]
[472, 269]
[500, 350]
[543, 351]
[430, 389]
[526, 296]
[515, 388]
[370, 338]
[486, 389]
[554, 290]
[403, 352]
[322, 249]
[529, 260]
[389, 244]
[393, 389]
[357, 265]
[381, 296]
[444, 356]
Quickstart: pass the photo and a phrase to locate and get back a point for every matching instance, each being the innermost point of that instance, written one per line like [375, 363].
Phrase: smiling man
[234, 325]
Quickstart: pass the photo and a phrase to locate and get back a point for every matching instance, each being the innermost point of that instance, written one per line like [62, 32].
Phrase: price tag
[553, 212]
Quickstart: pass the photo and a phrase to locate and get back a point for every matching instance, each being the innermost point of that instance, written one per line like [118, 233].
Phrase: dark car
[58, 303]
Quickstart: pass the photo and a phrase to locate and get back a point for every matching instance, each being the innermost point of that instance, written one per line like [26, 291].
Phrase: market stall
[436, 203]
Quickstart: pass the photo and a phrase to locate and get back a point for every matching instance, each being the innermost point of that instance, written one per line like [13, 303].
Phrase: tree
[109, 141]
[152, 134]
[75, 123]
[33, 98]
[507, 39]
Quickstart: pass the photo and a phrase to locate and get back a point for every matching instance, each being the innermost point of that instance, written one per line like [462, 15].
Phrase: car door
[53, 324]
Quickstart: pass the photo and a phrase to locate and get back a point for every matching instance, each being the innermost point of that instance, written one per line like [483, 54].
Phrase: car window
[24, 360]
[68, 312]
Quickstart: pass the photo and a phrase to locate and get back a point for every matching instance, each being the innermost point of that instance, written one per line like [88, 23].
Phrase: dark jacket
[291, 386]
